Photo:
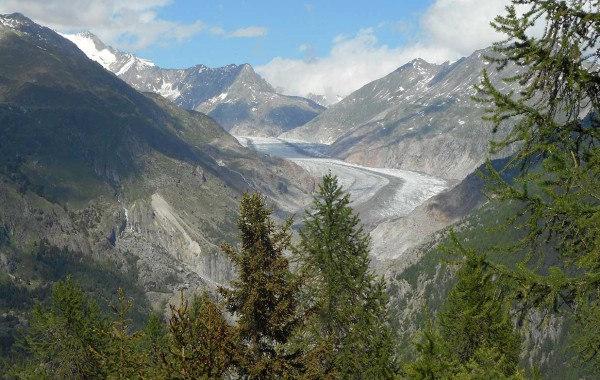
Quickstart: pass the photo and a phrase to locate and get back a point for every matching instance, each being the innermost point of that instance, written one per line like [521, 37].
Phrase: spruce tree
[263, 297]
[199, 341]
[474, 337]
[348, 336]
[63, 336]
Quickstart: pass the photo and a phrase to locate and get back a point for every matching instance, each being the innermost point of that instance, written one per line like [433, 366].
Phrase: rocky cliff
[419, 117]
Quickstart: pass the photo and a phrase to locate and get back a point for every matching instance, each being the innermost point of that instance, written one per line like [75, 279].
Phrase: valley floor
[378, 194]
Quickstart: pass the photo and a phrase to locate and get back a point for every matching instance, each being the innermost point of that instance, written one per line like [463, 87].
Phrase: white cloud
[351, 63]
[448, 30]
[251, 31]
[129, 25]
[462, 25]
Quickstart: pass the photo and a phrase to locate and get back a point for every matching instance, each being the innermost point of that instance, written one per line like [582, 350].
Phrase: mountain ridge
[91, 165]
[419, 117]
[234, 95]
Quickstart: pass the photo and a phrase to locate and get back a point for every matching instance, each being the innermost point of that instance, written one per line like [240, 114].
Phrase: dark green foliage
[121, 358]
[557, 128]
[348, 334]
[34, 273]
[474, 337]
[475, 316]
[432, 361]
[263, 297]
[587, 337]
[63, 337]
[200, 342]
[154, 342]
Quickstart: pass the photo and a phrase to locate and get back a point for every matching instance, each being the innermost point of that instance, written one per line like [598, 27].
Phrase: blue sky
[292, 29]
[327, 47]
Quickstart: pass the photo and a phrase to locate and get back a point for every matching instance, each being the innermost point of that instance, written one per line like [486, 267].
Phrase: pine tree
[555, 126]
[122, 357]
[199, 343]
[433, 359]
[475, 321]
[154, 344]
[474, 337]
[63, 337]
[263, 297]
[348, 336]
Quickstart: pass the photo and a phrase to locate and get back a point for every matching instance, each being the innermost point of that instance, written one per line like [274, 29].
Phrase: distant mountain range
[89, 164]
[419, 117]
[74, 135]
[234, 95]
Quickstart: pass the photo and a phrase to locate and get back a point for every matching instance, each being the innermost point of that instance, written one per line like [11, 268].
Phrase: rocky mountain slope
[419, 117]
[234, 95]
[91, 165]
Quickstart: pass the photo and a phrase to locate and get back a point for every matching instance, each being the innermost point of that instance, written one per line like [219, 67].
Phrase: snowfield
[378, 194]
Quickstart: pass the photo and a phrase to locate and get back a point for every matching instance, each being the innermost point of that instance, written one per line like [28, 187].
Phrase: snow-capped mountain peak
[111, 59]
[13, 21]
[88, 43]
[234, 95]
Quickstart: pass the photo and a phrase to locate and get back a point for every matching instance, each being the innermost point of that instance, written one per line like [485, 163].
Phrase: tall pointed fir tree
[348, 336]
[554, 125]
[64, 336]
[263, 297]
[122, 357]
[474, 337]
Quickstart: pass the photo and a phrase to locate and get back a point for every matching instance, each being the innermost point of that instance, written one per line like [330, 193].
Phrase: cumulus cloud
[352, 62]
[448, 30]
[462, 25]
[129, 25]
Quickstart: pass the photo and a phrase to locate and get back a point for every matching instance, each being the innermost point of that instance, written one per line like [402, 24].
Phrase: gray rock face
[234, 95]
[420, 117]
[99, 168]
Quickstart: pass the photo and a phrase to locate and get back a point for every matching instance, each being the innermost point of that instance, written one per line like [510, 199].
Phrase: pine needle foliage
[348, 335]
[556, 130]
[64, 336]
[122, 358]
[473, 336]
[199, 343]
[263, 297]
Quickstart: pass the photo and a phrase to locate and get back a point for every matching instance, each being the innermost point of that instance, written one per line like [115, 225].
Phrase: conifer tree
[154, 343]
[348, 336]
[199, 343]
[263, 297]
[122, 357]
[555, 126]
[63, 337]
[556, 130]
[475, 321]
[474, 337]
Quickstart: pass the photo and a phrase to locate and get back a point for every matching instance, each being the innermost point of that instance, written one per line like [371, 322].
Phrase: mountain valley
[419, 117]
[127, 171]
[109, 171]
